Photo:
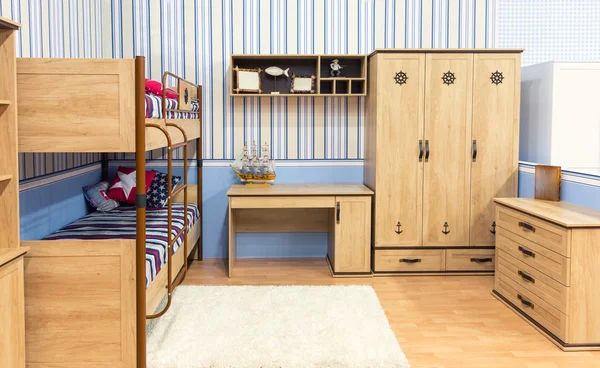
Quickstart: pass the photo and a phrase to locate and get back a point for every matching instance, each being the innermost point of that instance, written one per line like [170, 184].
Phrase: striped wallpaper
[194, 38]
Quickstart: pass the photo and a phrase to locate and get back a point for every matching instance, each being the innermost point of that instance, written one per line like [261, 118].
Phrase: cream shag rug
[274, 327]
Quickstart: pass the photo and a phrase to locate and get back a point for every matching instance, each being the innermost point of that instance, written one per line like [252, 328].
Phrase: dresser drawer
[544, 233]
[408, 260]
[543, 313]
[469, 259]
[546, 261]
[550, 290]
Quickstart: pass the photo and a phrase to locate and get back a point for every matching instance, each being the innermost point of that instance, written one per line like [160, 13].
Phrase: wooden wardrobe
[441, 142]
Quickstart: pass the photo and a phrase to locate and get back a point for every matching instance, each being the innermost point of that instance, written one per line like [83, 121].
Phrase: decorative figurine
[336, 68]
[275, 72]
[253, 169]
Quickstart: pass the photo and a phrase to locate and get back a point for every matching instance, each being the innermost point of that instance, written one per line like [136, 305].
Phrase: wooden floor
[439, 321]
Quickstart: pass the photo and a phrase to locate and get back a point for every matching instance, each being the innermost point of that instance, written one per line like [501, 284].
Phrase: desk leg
[232, 251]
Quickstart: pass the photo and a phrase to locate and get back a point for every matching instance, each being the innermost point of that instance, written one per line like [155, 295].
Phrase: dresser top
[299, 190]
[6, 23]
[8, 254]
[562, 213]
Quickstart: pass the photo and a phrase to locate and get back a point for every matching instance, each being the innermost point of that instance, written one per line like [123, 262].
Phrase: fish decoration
[276, 71]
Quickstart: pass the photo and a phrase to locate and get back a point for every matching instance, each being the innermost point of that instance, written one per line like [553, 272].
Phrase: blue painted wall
[577, 193]
[47, 208]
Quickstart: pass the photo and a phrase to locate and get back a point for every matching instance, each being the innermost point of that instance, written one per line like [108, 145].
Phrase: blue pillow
[158, 191]
[97, 197]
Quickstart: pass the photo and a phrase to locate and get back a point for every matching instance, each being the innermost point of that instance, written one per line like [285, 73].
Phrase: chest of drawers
[548, 268]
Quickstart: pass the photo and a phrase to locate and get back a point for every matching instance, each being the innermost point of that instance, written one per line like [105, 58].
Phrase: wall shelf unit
[351, 82]
[4, 102]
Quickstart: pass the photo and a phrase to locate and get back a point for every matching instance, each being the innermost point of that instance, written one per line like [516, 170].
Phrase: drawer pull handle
[527, 226]
[525, 302]
[409, 260]
[527, 252]
[481, 260]
[420, 150]
[526, 277]
[337, 212]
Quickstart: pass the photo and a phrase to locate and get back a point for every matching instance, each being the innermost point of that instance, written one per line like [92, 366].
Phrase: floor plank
[439, 321]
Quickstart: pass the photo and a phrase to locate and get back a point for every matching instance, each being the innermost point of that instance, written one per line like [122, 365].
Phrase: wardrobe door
[495, 139]
[400, 95]
[448, 104]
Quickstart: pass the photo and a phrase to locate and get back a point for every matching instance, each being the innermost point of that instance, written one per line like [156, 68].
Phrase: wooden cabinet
[12, 310]
[441, 141]
[349, 250]
[547, 268]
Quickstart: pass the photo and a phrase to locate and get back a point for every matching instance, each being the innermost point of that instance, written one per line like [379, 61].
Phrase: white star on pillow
[127, 182]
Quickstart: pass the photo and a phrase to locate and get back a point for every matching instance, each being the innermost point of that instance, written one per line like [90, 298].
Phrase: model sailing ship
[253, 169]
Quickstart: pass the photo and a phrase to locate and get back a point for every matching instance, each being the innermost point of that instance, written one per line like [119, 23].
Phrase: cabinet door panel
[400, 99]
[12, 315]
[448, 129]
[352, 252]
[495, 129]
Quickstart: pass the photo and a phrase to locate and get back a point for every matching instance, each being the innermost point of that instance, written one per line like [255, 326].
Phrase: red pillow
[123, 187]
[155, 87]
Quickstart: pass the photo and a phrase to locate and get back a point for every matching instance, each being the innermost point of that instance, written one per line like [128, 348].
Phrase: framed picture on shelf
[303, 84]
[247, 80]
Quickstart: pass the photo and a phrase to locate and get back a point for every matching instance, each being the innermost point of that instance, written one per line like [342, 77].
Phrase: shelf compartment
[353, 66]
[357, 86]
[326, 87]
[342, 86]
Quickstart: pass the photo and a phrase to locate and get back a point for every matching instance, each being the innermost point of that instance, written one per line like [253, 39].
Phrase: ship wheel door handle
[398, 230]
[420, 150]
[426, 150]
[446, 231]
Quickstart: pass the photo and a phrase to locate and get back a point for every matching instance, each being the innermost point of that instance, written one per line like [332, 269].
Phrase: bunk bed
[89, 293]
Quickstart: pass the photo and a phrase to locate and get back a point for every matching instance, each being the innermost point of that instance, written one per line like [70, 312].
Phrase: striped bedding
[120, 224]
[154, 108]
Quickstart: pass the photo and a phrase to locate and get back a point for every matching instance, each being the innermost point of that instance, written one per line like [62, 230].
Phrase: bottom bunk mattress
[120, 224]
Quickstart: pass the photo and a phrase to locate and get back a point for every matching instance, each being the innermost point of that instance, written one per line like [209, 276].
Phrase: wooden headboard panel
[192, 195]
[186, 92]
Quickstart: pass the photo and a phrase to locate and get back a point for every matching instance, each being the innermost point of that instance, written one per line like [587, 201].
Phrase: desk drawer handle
[409, 260]
[527, 226]
[526, 277]
[337, 212]
[481, 260]
[527, 252]
[525, 302]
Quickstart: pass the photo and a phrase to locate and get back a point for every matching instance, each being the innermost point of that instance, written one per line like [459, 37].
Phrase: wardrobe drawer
[539, 231]
[470, 259]
[408, 260]
[537, 257]
[550, 290]
[544, 313]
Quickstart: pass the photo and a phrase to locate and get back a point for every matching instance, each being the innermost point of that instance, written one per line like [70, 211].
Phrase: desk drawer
[283, 202]
[408, 260]
[469, 259]
[539, 231]
[550, 290]
[544, 260]
[545, 314]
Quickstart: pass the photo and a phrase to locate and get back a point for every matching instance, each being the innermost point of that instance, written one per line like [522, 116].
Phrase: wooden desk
[342, 210]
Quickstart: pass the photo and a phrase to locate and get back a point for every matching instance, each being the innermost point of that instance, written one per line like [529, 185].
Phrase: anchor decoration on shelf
[398, 226]
[493, 231]
[497, 77]
[448, 78]
[401, 78]
[446, 231]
